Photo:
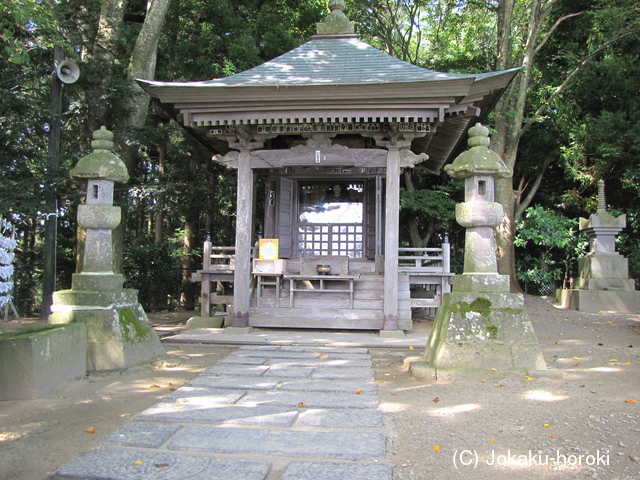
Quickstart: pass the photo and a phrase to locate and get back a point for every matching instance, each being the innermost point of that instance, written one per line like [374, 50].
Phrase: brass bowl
[323, 269]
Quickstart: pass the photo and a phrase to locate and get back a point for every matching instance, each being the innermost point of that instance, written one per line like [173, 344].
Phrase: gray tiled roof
[330, 60]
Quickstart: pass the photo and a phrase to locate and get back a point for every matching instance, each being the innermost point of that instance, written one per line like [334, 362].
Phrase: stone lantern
[101, 170]
[479, 214]
[604, 283]
[480, 326]
[119, 334]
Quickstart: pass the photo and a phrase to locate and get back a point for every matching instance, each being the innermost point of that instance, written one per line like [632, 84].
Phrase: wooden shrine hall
[329, 126]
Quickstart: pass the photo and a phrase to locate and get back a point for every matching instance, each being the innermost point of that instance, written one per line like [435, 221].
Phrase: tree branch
[579, 68]
[553, 28]
[523, 205]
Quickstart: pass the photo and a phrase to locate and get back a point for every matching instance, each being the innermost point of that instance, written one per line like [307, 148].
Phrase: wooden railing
[218, 265]
[425, 260]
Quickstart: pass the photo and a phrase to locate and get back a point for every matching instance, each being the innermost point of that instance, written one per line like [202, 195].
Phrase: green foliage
[549, 244]
[154, 270]
[436, 203]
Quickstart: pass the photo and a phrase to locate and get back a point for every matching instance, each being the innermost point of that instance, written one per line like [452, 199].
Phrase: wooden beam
[391, 242]
[241, 287]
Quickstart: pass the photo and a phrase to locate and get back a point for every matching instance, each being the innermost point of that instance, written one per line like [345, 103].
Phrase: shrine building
[329, 126]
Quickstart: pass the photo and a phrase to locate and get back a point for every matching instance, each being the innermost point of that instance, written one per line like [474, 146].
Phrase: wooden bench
[314, 282]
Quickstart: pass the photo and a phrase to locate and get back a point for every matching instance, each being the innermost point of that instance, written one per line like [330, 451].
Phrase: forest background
[570, 118]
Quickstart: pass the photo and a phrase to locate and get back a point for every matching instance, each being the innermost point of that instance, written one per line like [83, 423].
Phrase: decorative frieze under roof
[335, 79]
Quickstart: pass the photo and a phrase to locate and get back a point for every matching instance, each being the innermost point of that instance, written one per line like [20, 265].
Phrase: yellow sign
[268, 248]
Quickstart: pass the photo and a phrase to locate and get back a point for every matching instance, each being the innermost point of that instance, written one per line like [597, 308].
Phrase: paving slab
[276, 338]
[280, 442]
[226, 414]
[341, 418]
[332, 350]
[321, 362]
[241, 370]
[135, 465]
[288, 371]
[235, 383]
[278, 404]
[336, 471]
[204, 395]
[142, 434]
[312, 399]
[340, 386]
[341, 373]
[243, 359]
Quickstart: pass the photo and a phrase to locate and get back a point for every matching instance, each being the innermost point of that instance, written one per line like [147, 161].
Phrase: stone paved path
[261, 413]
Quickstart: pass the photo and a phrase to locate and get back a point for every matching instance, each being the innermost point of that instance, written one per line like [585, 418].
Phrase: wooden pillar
[244, 214]
[391, 241]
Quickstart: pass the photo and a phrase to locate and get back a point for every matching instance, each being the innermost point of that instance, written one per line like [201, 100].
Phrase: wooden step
[318, 313]
[256, 320]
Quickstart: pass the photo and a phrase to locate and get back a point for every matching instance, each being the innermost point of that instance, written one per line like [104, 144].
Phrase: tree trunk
[101, 57]
[190, 226]
[143, 65]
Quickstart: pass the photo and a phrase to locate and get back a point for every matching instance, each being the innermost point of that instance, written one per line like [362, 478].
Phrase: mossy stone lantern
[101, 169]
[119, 334]
[479, 214]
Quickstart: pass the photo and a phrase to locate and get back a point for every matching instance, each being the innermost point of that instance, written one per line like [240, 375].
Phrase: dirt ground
[581, 425]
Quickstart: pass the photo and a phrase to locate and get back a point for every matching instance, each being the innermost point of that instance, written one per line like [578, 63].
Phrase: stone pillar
[604, 283]
[119, 334]
[480, 326]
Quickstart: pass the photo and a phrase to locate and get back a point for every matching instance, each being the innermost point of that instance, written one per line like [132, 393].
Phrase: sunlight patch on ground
[391, 407]
[543, 396]
[456, 409]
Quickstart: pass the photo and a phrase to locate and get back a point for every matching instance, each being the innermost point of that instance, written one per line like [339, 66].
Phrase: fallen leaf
[494, 369]
[138, 462]
[410, 347]
[90, 430]
[546, 425]
[159, 465]
[600, 344]
[554, 436]
[436, 448]
[613, 360]
[631, 401]
[301, 404]
[436, 400]
[576, 358]
[322, 355]
[154, 386]
[172, 389]
[528, 378]
[498, 384]
[492, 441]
[358, 391]
[558, 343]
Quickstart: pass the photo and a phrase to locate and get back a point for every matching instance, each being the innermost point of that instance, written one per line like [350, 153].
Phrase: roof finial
[336, 23]
[602, 203]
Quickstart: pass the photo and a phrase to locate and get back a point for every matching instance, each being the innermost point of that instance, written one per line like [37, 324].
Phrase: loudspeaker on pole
[68, 71]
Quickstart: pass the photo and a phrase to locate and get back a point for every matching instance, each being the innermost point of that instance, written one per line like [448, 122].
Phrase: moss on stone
[133, 329]
[492, 330]
[28, 331]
